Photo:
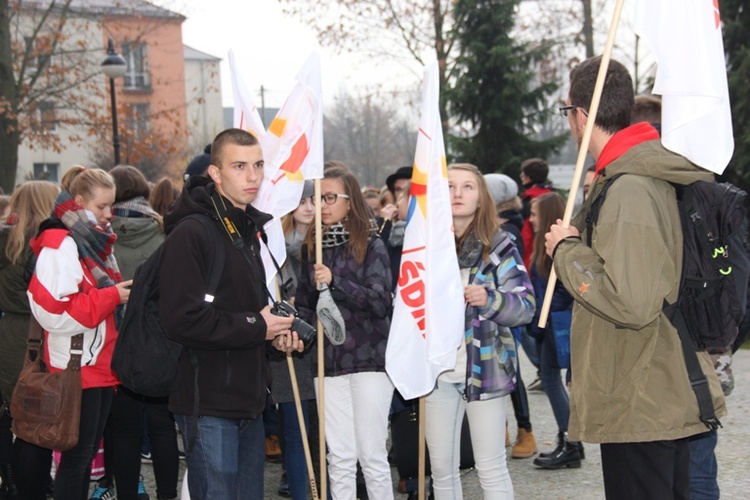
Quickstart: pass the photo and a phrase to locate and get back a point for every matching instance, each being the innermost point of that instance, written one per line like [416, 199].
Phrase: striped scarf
[94, 242]
[136, 207]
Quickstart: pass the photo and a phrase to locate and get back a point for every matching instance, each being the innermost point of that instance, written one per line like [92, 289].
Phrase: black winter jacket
[228, 335]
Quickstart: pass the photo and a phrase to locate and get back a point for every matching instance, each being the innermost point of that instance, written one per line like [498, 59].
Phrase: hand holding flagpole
[606, 56]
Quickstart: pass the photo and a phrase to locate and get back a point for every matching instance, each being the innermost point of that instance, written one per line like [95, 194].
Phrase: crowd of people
[68, 254]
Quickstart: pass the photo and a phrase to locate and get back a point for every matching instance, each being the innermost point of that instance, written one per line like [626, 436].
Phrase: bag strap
[698, 380]
[36, 341]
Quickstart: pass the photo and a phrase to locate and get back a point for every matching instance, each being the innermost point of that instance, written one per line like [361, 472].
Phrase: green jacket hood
[672, 168]
[134, 232]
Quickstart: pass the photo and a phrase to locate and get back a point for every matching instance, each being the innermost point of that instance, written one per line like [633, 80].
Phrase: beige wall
[204, 110]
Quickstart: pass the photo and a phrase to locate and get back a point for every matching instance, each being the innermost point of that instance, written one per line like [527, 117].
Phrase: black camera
[305, 331]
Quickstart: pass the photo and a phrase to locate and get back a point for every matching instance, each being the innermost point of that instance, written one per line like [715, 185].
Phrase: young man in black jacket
[223, 373]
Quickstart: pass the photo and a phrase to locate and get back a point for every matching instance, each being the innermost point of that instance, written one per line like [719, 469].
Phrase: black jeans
[123, 443]
[74, 472]
[657, 470]
[31, 465]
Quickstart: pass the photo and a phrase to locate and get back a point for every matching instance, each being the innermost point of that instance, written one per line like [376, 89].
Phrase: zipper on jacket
[92, 347]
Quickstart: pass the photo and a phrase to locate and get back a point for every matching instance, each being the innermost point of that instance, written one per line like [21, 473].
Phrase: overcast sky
[269, 47]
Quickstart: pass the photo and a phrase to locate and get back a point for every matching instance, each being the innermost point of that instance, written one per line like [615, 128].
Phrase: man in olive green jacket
[630, 389]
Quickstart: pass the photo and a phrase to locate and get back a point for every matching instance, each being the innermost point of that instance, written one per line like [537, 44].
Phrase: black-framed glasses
[565, 109]
[330, 198]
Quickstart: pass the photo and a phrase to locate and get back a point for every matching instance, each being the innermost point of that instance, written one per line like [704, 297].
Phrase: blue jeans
[294, 452]
[531, 347]
[227, 457]
[552, 382]
[703, 468]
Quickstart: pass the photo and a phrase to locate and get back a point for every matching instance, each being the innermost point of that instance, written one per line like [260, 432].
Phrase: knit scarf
[94, 243]
[470, 252]
[335, 235]
[135, 207]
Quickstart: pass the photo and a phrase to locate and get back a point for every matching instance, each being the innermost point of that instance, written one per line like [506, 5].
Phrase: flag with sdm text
[428, 316]
[685, 39]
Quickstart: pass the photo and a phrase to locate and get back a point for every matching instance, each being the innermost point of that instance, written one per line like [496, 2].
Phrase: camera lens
[305, 331]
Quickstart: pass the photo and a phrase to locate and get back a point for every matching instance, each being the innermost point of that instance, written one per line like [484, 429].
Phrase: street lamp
[114, 66]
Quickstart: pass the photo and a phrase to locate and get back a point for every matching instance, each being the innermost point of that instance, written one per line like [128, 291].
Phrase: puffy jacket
[362, 293]
[64, 299]
[227, 336]
[630, 383]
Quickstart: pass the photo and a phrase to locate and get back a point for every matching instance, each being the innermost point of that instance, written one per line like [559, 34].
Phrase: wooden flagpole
[321, 352]
[302, 426]
[606, 56]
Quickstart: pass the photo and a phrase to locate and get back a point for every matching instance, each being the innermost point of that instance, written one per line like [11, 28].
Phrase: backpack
[712, 293]
[144, 359]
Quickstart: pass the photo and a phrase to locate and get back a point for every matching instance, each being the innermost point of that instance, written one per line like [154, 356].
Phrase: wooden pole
[422, 458]
[606, 56]
[302, 426]
[321, 352]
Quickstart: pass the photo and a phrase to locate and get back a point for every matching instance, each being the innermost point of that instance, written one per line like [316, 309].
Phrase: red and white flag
[428, 316]
[685, 38]
[293, 151]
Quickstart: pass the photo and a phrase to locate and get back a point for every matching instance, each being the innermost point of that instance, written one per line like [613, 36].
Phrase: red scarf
[622, 141]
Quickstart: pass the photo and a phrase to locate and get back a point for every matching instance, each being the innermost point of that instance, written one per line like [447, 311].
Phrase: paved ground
[586, 482]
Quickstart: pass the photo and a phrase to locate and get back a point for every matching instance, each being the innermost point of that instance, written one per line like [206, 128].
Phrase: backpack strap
[596, 206]
[698, 380]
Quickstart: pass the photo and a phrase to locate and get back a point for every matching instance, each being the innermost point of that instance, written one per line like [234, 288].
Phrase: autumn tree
[369, 135]
[53, 95]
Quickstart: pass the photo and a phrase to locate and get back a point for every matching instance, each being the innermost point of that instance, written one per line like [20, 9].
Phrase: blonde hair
[32, 203]
[83, 181]
[485, 222]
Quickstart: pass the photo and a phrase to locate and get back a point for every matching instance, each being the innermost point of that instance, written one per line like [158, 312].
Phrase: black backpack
[715, 269]
[144, 359]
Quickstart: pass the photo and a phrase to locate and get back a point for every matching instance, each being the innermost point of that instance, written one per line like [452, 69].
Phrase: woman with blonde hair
[498, 295]
[76, 293]
[28, 476]
[358, 392]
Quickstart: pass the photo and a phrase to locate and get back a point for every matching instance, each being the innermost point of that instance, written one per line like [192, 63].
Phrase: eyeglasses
[330, 198]
[564, 110]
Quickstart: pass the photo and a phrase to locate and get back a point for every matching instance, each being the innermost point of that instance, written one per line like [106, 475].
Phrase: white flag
[292, 150]
[685, 38]
[246, 114]
[428, 316]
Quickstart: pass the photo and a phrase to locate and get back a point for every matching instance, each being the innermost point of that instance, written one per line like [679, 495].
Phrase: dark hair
[551, 206]
[130, 183]
[235, 136]
[536, 169]
[616, 105]
[162, 196]
[646, 108]
[358, 220]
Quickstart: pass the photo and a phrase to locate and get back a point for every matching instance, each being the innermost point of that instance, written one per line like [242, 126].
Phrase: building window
[47, 172]
[34, 59]
[44, 117]
[138, 119]
[137, 76]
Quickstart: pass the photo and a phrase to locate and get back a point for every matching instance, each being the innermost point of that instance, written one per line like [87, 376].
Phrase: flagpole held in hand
[321, 353]
[606, 56]
[422, 447]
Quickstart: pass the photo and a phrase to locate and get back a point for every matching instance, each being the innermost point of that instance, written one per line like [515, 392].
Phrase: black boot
[558, 448]
[568, 456]
[8, 489]
[580, 450]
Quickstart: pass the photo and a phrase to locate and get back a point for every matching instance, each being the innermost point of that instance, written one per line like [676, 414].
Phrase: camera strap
[237, 242]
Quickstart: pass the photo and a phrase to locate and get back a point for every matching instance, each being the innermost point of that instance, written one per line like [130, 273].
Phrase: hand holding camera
[304, 330]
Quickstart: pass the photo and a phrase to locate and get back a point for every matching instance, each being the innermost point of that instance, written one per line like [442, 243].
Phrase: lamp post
[114, 66]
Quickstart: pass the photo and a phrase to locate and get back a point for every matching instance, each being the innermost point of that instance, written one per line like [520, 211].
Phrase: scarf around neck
[94, 243]
[470, 252]
[135, 207]
[335, 235]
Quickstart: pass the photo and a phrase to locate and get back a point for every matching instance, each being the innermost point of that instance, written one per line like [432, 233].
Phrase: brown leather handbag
[46, 407]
